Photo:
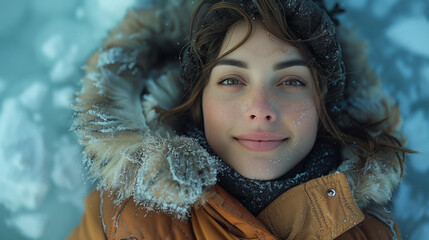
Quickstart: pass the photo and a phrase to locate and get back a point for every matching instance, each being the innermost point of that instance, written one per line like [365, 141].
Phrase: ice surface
[23, 158]
[31, 225]
[411, 34]
[11, 14]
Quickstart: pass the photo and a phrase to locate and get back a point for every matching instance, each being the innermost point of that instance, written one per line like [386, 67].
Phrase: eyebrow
[278, 66]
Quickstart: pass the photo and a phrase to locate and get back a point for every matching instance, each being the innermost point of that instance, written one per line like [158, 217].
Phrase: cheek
[218, 115]
[303, 120]
[303, 114]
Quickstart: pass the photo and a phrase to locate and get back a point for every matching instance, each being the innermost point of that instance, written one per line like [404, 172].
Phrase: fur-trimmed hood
[136, 73]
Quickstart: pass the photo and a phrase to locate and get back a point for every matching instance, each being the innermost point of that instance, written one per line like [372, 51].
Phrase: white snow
[411, 34]
[30, 225]
[53, 46]
[63, 97]
[108, 13]
[65, 158]
[23, 158]
[34, 95]
[62, 71]
[63, 40]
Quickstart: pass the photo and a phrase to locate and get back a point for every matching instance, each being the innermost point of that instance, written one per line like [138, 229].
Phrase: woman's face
[258, 107]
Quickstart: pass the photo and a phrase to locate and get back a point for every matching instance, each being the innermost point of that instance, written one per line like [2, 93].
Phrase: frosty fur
[129, 153]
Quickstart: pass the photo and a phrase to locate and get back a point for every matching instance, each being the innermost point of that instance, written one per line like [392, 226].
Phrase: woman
[269, 134]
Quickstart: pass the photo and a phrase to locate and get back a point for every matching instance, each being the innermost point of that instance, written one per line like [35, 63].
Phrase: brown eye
[230, 82]
[294, 82]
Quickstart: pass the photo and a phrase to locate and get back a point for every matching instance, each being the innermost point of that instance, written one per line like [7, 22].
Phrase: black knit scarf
[255, 195]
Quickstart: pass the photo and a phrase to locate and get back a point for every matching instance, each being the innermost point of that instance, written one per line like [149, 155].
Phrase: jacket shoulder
[378, 224]
[104, 219]
[91, 226]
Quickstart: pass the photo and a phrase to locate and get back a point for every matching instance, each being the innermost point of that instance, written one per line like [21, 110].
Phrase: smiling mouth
[256, 145]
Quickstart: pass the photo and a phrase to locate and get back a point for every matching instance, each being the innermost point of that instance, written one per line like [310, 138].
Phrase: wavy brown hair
[207, 32]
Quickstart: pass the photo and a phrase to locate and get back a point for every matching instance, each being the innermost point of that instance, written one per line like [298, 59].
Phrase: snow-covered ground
[43, 45]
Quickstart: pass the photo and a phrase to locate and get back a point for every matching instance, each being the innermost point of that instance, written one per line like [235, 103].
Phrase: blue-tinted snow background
[44, 43]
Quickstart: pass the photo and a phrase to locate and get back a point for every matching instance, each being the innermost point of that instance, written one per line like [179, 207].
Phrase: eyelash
[223, 81]
[293, 82]
[296, 82]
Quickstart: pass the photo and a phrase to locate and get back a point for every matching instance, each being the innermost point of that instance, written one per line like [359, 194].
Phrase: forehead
[261, 42]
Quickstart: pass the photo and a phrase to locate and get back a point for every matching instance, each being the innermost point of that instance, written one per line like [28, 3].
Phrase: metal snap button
[331, 192]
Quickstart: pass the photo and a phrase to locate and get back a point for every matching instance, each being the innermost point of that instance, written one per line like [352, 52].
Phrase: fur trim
[130, 153]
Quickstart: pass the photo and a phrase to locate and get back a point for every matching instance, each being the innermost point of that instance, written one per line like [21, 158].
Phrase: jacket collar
[322, 208]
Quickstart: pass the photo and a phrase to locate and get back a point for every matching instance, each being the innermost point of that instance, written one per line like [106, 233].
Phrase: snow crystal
[33, 96]
[11, 14]
[63, 97]
[380, 8]
[30, 225]
[23, 159]
[410, 34]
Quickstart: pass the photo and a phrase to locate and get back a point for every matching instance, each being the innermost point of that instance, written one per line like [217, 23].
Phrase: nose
[261, 109]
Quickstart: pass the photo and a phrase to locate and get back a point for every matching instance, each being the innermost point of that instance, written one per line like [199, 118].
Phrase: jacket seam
[319, 216]
[101, 214]
[117, 216]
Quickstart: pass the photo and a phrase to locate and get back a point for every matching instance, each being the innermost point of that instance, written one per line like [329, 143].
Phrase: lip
[260, 141]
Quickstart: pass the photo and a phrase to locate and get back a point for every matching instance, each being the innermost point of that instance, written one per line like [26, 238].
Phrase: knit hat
[312, 25]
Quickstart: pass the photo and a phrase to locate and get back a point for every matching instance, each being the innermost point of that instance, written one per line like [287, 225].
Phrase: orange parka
[321, 209]
[156, 184]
